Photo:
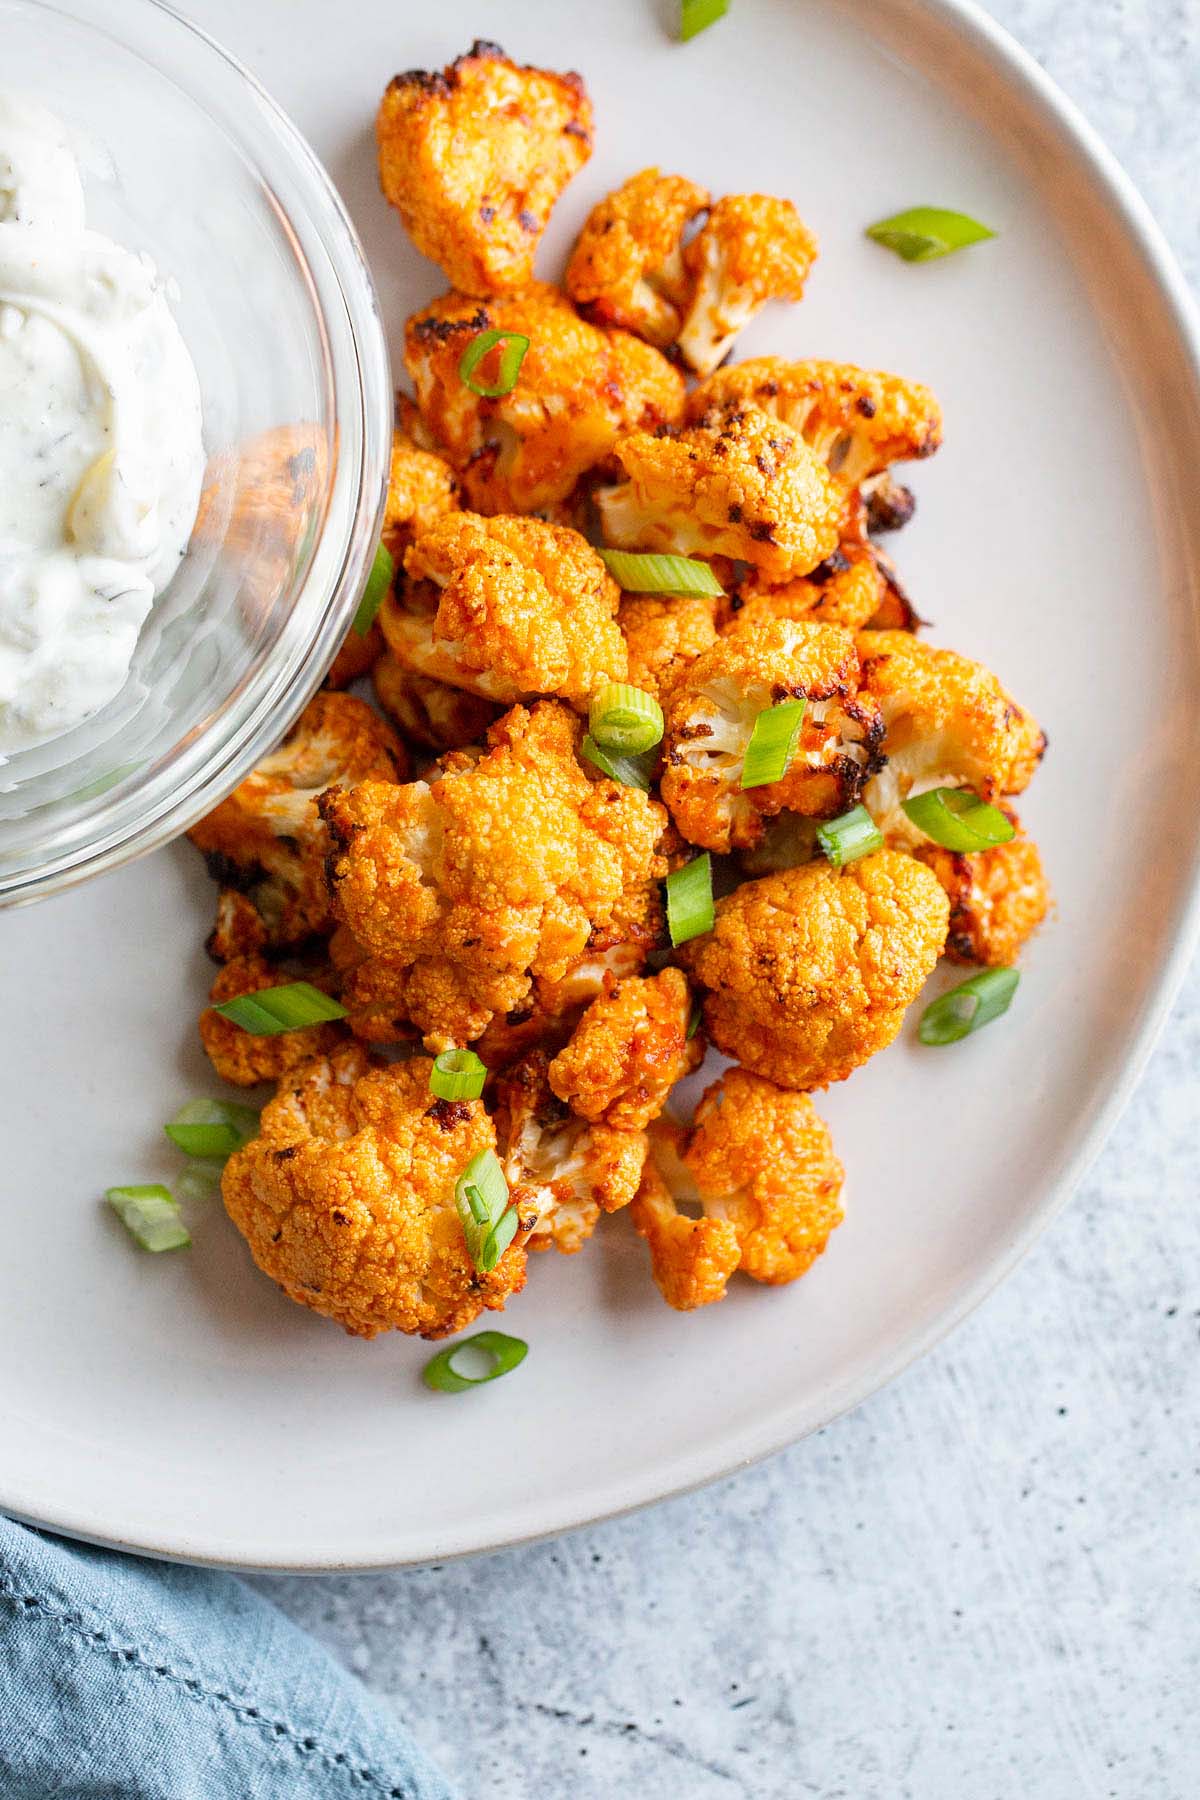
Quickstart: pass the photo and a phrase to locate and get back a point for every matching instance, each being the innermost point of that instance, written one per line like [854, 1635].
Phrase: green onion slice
[457, 1075]
[150, 1216]
[772, 743]
[853, 835]
[694, 1018]
[489, 1223]
[291, 1007]
[958, 820]
[696, 16]
[690, 909]
[212, 1127]
[383, 573]
[200, 1178]
[505, 1353]
[511, 358]
[630, 771]
[641, 573]
[968, 1007]
[625, 719]
[924, 232]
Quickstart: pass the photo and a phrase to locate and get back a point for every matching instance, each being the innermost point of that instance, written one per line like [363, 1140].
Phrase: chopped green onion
[212, 1127]
[924, 232]
[772, 743]
[855, 834]
[690, 910]
[200, 1178]
[489, 1222]
[150, 1215]
[969, 1006]
[383, 573]
[291, 1007]
[694, 1018]
[625, 719]
[457, 1075]
[697, 15]
[511, 358]
[639, 572]
[630, 771]
[958, 820]
[505, 1353]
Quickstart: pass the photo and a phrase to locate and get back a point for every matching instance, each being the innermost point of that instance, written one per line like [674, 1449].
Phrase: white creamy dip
[100, 444]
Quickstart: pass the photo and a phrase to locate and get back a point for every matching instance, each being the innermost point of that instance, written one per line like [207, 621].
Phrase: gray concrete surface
[983, 1585]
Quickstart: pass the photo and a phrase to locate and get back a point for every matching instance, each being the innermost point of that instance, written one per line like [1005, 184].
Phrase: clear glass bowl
[187, 158]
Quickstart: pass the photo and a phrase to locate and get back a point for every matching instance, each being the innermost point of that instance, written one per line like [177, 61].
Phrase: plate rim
[745, 1446]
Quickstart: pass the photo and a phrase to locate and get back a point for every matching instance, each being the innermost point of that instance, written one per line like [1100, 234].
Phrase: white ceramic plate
[179, 1404]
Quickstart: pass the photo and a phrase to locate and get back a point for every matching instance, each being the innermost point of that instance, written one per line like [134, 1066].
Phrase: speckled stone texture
[983, 1585]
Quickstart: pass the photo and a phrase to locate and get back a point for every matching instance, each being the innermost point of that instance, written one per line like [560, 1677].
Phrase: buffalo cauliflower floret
[809, 971]
[948, 723]
[508, 608]
[429, 712]
[578, 389]
[664, 634]
[422, 488]
[473, 159]
[759, 1169]
[266, 839]
[562, 1170]
[238, 929]
[346, 1198]
[615, 951]
[752, 248]
[736, 484]
[628, 1051]
[493, 875]
[710, 719]
[858, 421]
[627, 268]
[998, 898]
[847, 589]
[240, 1057]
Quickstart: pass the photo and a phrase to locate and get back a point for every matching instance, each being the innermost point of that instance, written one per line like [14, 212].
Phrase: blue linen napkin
[122, 1679]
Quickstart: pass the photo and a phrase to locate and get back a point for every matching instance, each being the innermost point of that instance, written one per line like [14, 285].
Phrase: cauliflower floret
[614, 952]
[752, 248]
[948, 723]
[998, 897]
[736, 484]
[758, 1165]
[847, 589]
[240, 1057]
[664, 634]
[422, 488]
[495, 874]
[858, 421]
[561, 1170]
[473, 159]
[628, 1051]
[809, 971]
[430, 712]
[346, 1198]
[266, 839]
[508, 609]
[710, 719]
[627, 268]
[578, 389]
